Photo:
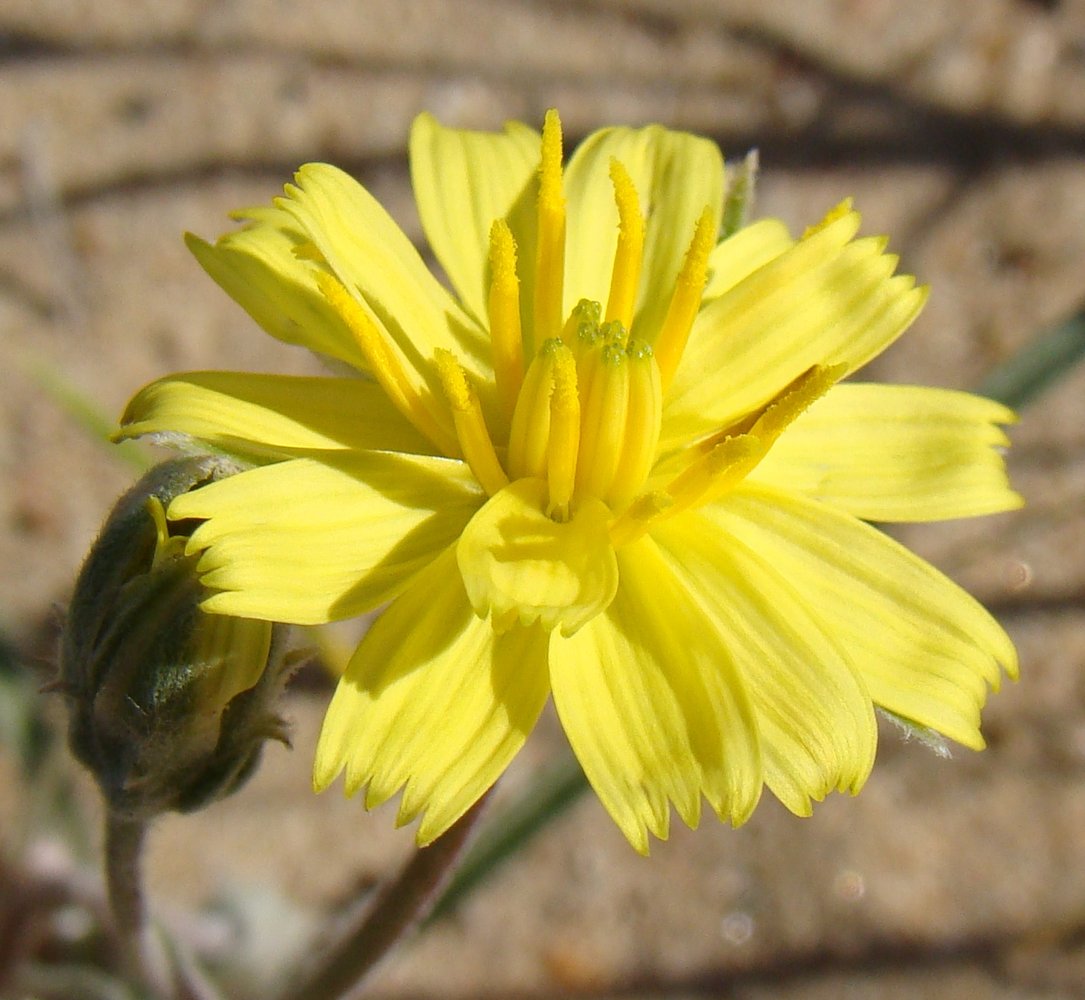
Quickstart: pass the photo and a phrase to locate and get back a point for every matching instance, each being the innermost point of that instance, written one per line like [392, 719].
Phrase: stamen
[630, 250]
[529, 435]
[165, 547]
[504, 303]
[733, 457]
[686, 300]
[604, 379]
[638, 517]
[643, 419]
[385, 366]
[475, 442]
[550, 245]
[726, 465]
[564, 441]
[795, 397]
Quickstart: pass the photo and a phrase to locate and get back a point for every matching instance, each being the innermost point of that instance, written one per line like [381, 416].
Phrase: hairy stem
[142, 953]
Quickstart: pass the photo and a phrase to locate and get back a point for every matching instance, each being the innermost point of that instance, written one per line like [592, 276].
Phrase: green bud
[169, 706]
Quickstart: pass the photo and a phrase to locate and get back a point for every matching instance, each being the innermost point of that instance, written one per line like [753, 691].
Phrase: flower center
[585, 415]
[587, 418]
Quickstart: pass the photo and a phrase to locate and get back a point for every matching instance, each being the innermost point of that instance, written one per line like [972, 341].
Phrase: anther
[564, 444]
[603, 374]
[643, 419]
[639, 516]
[529, 434]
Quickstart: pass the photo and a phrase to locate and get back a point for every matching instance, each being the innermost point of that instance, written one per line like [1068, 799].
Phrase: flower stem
[376, 927]
[143, 957]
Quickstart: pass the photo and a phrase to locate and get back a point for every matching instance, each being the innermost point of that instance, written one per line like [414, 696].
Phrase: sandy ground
[960, 130]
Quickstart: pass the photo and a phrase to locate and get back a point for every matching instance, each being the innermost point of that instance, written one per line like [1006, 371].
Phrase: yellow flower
[617, 466]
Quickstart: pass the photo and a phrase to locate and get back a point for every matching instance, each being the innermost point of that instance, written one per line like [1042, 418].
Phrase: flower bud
[169, 706]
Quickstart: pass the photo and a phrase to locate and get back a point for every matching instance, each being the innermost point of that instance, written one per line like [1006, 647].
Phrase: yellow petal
[308, 541]
[825, 301]
[259, 268]
[676, 175]
[270, 416]
[432, 702]
[520, 566]
[465, 180]
[740, 255]
[814, 715]
[896, 453]
[377, 263]
[653, 706]
[236, 651]
[925, 649]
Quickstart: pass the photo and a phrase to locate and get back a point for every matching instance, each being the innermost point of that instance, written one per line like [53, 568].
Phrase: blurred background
[959, 128]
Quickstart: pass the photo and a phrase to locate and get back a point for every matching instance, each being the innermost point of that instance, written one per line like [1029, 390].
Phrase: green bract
[169, 706]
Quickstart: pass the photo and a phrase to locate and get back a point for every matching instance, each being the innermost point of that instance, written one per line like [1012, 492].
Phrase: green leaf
[1035, 368]
[511, 827]
[88, 415]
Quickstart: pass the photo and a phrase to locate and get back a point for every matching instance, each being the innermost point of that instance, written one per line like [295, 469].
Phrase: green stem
[377, 927]
[147, 962]
[1039, 365]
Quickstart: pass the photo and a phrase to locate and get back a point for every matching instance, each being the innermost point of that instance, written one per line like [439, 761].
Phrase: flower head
[617, 465]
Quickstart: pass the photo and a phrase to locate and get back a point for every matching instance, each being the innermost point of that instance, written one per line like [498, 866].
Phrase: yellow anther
[643, 419]
[564, 443]
[711, 475]
[686, 300]
[550, 243]
[474, 438]
[529, 435]
[504, 303]
[638, 517]
[604, 402]
[385, 365]
[629, 254]
[726, 458]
